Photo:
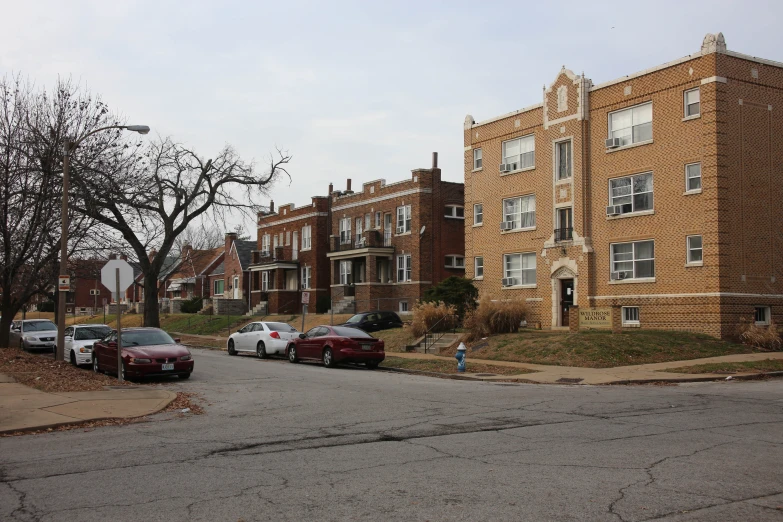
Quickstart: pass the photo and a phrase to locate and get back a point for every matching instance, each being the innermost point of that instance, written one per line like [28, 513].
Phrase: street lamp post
[70, 146]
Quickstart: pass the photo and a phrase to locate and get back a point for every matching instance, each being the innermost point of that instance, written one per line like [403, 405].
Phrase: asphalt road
[301, 442]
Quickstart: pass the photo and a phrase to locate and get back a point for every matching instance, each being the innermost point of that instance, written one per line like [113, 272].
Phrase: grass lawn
[602, 349]
[429, 365]
[395, 339]
[767, 365]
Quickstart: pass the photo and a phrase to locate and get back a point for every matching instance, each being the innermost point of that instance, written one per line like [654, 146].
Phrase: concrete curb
[454, 376]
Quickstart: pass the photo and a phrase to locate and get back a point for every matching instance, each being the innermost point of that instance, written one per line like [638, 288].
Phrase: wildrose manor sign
[595, 318]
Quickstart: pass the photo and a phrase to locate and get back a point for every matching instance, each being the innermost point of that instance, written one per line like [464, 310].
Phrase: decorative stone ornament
[562, 98]
[713, 43]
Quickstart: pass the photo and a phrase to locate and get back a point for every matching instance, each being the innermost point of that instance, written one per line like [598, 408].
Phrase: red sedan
[146, 352]
[337, 344]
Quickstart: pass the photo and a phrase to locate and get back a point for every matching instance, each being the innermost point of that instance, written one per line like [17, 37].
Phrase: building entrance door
[566, 299]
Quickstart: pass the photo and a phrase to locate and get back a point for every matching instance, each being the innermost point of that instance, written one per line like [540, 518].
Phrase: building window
[403, 219]
[219, 286]
[306, 277]
[478, 214]
[565, 224]
[519, 154]
[265, 244]
[478, 266]
[693, 177]
[631, 193]
[404, 271]
[694, 249]
[630, 316]
[762, 315]
[265, 281]
[288, 238]
[455, 211]
[634, 260]
[692, 105]
[275, 241]
[519, 269]
[519, 213]
[403, 306]
[476, 159]
[455, 262]
[367, 221]
[631, 125]
[345, 230]
[306, 236]
[377, 220]
[563, 159]
[345, 272]
[358, 230]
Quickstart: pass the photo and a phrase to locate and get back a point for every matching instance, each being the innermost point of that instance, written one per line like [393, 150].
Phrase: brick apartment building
[390, 242]
[657, 194]
[290, 257]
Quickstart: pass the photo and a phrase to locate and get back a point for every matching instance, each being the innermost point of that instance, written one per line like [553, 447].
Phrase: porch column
[371, 271]
[279, 275]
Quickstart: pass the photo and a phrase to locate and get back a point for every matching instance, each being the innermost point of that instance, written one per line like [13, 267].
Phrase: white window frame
[767, 315]
[633, 260]
[455, 261]
[691, 250]
[275, 242]
[632, 126]
[526, 143]
[345, 272]
[306, 238]
[569, 160]
[287, 238]
[686, 105]
[478, 267]
[403, 219]
[631, 194]
[345, 230]
[527, 276]
[477, 159]
[517, 216]
[378, 219]
[265, 281]
[215, 286]
[630, 316]
[478, 214]
[359, 229]
[367, 221]
[404, 268]
[452, 211]
[265, 239]
[306, 277]
[688, 177]
[404, 306]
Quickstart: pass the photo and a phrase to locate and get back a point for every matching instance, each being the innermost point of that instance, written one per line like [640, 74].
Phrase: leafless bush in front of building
[760, 336]
[428, 315]
[495, 317]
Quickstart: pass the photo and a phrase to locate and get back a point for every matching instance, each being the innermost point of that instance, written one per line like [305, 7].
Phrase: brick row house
[87, 293]
[657, 194]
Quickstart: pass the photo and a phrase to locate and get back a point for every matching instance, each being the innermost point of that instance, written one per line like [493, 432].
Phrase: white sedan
[79, 339]
[263, 337]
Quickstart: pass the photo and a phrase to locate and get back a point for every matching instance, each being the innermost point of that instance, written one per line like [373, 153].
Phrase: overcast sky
[360, 90]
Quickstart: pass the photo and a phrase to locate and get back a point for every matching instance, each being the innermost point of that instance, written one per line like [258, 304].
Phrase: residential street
[301, 442]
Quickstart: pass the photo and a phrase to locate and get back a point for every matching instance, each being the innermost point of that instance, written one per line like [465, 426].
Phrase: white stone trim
[646, 71]
[752, 58]
[632, 281]
[682, 296]
[713, 79]
[561, 120]
[290, 220]
[693, 117]
[629, 146]
[631, 214]
[382, 198]
[508, 115]
[534, 299]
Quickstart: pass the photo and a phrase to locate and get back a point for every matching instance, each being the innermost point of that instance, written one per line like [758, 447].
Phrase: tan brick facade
[733, 136]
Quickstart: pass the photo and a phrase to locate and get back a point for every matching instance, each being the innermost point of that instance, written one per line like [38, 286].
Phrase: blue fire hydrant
[461, 357]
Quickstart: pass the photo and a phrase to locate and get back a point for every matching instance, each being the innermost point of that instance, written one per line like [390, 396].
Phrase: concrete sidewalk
[618, 375]
[24, 408]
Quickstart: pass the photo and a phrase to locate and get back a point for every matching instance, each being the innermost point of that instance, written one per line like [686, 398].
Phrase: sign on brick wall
[595, 318]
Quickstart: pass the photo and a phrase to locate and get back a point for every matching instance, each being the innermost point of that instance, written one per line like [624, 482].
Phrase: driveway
[301, 442]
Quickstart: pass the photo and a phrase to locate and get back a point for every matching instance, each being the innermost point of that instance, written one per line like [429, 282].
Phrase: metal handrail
[428, 333]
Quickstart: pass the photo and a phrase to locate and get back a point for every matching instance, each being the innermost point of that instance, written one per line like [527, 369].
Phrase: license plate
[167, 366]
[367, 347]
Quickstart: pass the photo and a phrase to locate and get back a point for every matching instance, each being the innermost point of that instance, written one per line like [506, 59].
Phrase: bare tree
[159, 191]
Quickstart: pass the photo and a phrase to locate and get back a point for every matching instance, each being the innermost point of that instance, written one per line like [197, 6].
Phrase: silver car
[35, 334]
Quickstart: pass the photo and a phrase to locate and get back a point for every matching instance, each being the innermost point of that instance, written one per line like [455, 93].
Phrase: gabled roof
[195, 262]
[244, 251]
[219, 270]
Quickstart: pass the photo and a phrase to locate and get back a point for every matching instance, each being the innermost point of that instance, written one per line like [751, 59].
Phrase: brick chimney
[187, 248]
[331, 188]
[230, 238]
[348, 185]
[271, 206]
[123, 257]
[434, 160]
[152, 254]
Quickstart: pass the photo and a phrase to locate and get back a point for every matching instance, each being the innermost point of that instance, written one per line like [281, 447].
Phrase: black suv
[374, 321]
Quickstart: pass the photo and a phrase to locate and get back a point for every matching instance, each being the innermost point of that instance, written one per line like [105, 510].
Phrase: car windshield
[280, 327]
[146, 338]
[355, 319]
[39, 326]
[91, 332]
[350, 332]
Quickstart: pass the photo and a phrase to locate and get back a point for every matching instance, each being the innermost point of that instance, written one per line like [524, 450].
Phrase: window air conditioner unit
[506, 225]
[512, 166]
[614, 210]
[616, 276]
[613, 143]
[504, 167]
[508, 281]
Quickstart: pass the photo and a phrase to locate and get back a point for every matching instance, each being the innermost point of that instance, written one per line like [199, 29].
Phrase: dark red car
[146, 352]
[337, 344]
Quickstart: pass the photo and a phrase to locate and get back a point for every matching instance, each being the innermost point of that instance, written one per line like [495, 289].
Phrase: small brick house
[656, 194]
[230, 279]
[190, 278]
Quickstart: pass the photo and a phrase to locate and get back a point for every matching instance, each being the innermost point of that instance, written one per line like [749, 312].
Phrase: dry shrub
[764, 337]
[427, 315]
[495, 317]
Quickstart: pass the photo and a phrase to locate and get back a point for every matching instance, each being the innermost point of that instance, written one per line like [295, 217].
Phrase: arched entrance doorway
[564, 291]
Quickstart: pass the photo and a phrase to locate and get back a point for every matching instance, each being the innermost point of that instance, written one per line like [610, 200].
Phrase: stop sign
[109, 275]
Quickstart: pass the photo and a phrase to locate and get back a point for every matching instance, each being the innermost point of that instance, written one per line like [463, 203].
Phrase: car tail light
[274, 335]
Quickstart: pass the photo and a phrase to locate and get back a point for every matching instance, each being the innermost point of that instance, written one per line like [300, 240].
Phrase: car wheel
[292, 354]
[261, 350]
[231, 349]
[184, 376]
[95, 366]
[329, 358]
[73, 358]
[371, 365]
